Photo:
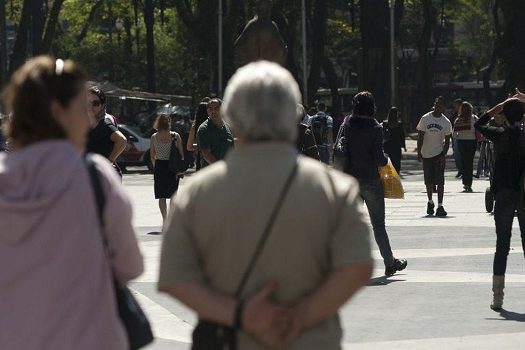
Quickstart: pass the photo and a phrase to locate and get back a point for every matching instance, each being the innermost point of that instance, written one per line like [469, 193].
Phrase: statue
[260, 39]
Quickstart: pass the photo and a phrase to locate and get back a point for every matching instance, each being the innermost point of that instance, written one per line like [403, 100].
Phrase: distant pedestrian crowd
[264, 244]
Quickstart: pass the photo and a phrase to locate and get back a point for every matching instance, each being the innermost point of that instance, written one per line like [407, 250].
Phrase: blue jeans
[457, 155]
[324, 154]
[507, 201]
[373, 196]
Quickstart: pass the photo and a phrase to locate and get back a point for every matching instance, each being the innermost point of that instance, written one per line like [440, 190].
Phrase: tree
[375, 50]
[37, 22]
[149, 18]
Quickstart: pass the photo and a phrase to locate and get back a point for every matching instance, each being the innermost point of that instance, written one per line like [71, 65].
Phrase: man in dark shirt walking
[214, 136]
[364, 137]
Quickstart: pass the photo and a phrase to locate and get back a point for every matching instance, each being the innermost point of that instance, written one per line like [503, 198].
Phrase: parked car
[137, 151]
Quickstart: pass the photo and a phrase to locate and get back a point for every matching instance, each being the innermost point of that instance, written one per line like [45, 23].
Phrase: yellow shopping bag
[391, 182]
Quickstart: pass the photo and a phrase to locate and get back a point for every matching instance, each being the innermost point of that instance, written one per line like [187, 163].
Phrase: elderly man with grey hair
[245, 249]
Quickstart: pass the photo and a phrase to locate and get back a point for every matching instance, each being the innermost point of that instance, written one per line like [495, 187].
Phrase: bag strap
[100, 198]
[266, 232]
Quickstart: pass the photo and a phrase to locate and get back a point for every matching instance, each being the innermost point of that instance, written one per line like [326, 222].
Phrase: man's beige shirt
[217, 219]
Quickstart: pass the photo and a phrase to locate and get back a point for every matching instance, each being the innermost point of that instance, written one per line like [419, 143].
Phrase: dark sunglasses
[95, 103]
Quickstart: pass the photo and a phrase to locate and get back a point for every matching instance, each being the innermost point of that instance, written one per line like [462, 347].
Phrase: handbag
[212, 336]
[135, 322]
[391, 182]
[176, 164]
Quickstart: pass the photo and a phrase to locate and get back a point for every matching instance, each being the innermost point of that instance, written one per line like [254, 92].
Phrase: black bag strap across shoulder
[266, 232]
[100, 197]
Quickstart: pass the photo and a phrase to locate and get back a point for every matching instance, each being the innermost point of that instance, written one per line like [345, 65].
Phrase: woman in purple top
[364, 137]
[56, 287]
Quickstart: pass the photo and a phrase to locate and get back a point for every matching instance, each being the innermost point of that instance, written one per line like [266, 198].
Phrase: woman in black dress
[166, 182]
[394, 138]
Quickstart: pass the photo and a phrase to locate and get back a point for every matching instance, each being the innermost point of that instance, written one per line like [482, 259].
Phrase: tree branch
[89, 20]
[51, 26]
[185, 13]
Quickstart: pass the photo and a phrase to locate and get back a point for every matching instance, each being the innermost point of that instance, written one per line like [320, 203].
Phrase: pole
[220, 82]
[305, 63]
[392, 57]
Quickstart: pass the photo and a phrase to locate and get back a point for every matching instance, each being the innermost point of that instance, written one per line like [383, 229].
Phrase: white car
[137, 151]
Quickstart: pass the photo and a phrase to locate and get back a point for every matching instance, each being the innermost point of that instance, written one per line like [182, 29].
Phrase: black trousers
[467, 149]
[507, 202]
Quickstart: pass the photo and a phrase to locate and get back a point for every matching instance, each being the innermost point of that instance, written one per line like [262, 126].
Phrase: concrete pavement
[441, 301]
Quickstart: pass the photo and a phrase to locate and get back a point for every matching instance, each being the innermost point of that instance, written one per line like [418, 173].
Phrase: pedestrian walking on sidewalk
[465, 134]
[434, 130]
[301, 216]
[192, 146]
[322, 126]
[165, 181]
[507, 183]
[394, 138]
[56, 285]
[455, 142]
[364, 137]
[104, 138]
[214, 136]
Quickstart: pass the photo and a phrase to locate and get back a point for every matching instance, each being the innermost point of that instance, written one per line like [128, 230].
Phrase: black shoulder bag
[138, 329]
[212, 336]
[176, 164]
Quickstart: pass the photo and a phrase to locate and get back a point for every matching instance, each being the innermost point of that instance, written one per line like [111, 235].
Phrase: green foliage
[475, 35]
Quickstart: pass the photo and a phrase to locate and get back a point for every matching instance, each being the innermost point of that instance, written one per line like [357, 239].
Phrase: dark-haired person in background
[322, 126]
[394, 134]
[434, 131]
[506, 183]
[104, 138]
[364, 137]
[200, 117]
[455, 142]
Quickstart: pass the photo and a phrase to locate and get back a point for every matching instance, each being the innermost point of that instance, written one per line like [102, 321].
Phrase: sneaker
[430, 208]
[399, 265]
[441, 212]
[459, 175]
[467, 189]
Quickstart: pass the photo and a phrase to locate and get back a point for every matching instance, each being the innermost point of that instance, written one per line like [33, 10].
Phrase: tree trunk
[318, 41]
[424, 63]
[3, 44]
[20, 47]
[89, 21]
[332, 78]
[150, 44]
[375, 60]
[51, 26]
[38, 21]
[512, 44]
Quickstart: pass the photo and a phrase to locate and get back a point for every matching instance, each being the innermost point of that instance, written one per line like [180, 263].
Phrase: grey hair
[260, 103]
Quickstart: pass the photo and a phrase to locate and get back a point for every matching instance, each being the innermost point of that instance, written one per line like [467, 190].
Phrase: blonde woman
[166, 182]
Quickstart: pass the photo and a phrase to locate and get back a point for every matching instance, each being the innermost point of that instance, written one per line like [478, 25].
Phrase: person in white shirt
[434, 131]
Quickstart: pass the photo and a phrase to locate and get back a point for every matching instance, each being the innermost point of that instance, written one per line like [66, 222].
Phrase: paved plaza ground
[441, 301]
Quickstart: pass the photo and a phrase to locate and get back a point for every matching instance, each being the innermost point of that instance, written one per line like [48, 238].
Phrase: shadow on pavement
[438, 217]
[382, 281]
[512, 316]
[154, 233]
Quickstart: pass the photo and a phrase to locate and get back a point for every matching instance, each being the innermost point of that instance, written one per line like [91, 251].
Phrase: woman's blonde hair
[162, 123]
